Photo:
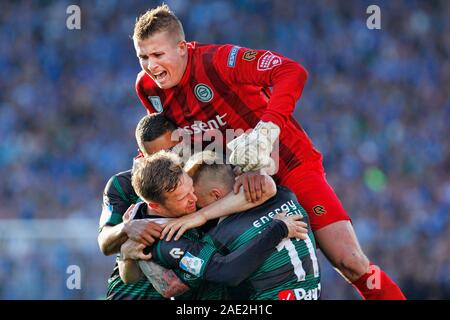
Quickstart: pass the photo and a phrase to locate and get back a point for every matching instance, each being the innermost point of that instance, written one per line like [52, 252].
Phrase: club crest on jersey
[268, 61]
[156, 103]
[203, 92]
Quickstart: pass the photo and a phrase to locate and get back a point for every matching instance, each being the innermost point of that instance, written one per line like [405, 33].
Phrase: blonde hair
[158, 19]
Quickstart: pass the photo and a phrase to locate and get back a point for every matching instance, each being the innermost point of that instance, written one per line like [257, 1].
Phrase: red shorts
[315, 195]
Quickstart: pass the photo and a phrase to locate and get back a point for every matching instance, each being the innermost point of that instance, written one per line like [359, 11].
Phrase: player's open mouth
[160, 76]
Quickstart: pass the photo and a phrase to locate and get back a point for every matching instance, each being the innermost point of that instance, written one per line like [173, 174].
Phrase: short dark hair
[209, 164]
[155, 175]
[151, 127]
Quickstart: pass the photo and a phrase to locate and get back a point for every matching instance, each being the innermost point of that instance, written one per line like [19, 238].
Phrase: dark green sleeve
[169, 254]
[201, 259]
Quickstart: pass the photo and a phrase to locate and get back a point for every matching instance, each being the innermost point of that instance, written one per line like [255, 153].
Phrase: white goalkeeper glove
[252, 151]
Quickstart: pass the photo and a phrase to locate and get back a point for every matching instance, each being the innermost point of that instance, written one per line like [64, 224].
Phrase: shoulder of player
[140, 77]
[120, 183]
[190, 236]
[123, 177]
[284, 191]
[229, 224]
[216, 49]
[143, 80]
[283, 194]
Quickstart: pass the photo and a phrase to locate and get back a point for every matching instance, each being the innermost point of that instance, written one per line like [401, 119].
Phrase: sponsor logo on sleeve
[176, 253]
[156, 103]
[249, 55]
[232, 56]
[191, 264]
[268, 61]
[319, 210]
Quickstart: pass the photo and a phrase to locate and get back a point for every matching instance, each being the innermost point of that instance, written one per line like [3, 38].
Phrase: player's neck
[186, 72]
[151, 213]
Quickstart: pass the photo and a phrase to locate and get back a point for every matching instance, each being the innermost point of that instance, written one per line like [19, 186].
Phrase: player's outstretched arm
[144, 231]
[111, 238]
[202, 260]
[230, 204]
[266, 69]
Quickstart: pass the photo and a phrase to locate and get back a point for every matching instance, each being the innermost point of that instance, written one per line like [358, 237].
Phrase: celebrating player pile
[201, 87]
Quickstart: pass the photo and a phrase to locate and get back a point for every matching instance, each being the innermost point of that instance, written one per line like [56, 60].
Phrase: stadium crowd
[375, 105]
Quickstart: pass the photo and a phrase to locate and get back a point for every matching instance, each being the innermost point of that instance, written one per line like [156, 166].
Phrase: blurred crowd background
[377, 105]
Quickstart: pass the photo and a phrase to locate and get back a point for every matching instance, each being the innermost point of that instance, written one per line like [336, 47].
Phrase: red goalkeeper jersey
[230, 87]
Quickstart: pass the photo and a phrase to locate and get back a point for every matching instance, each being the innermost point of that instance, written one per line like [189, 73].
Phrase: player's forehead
[159, 41]
[163, 142]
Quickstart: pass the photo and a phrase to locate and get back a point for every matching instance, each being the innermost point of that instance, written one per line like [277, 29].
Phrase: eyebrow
[153, 52]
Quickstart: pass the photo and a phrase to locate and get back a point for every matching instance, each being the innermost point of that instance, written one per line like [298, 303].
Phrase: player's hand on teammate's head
[255, 183]
[296, 228]
[237, 171]
[181, 225]
[132, 250]
[142, 230]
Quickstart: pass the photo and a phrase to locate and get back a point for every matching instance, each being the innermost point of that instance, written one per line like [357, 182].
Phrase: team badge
[203, 92]
[268, 61]
[191, 264]
[232, 56]
[249, 55]
[156, 103]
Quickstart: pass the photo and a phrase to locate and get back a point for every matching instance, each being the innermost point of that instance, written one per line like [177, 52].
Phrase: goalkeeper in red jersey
[203, 87]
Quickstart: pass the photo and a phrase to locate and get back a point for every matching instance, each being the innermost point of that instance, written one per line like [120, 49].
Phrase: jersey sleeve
[141, 94]
[170, 254]
[118, 196]
[201, 259]
[266, 69]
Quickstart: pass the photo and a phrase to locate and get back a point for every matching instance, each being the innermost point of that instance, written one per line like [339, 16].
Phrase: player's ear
[182, 47]
[154, 206]
[216, 194]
